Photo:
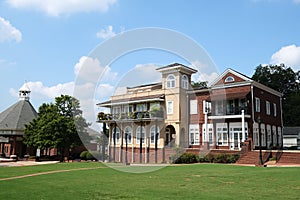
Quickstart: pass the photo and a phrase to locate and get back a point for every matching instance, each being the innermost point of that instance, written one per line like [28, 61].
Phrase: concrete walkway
[6, 163]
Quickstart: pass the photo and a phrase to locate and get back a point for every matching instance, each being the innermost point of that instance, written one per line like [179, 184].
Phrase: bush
[220, 158]
[83, 155]
[187, 158]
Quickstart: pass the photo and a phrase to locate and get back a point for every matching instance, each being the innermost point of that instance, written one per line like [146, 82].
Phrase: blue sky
[46, 42]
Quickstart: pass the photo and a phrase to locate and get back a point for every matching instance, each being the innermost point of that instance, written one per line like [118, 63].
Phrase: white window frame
[229, 79]
[184, 82]
[194, 134]
[268, 108]
[222, 134]
[138, 132]
[152, 134]
[170, 107]
[274, 109]
[118, 135]
[219, 107]
[257, 104]
[129, 131]
[171, 81]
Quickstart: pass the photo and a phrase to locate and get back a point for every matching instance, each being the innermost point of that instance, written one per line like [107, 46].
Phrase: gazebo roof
[16, 116]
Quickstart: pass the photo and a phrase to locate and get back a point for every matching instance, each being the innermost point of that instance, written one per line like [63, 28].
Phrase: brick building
[149, 121]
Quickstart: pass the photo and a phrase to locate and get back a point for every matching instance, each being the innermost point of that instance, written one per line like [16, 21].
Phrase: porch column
[243, 126]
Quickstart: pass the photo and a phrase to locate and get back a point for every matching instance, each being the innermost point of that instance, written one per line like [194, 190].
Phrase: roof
[132, 100]
[291, 130]
[176, 66]
[17, 115]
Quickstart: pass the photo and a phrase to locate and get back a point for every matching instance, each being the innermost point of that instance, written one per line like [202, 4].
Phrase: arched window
[128, 131]
[138, 135]
[152, 134]
[117, 131]
[229, 79]
[171, 81]
[184, 82]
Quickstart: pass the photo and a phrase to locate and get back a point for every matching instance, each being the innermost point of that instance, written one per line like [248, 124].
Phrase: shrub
[83, 155]
[89, 156]
[203, 158]
[187, 158]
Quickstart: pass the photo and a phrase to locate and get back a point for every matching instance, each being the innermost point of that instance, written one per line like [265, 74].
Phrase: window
[152, 134]
[206, 107]
[138, 135]
[222, 134]
[275, 109]
[229, 79]
[117, 131]
[128, 131]
[128, 108]
[194, 134]
[170, 107]
[268, 109]
[171, 81]
[257, 104]
[141, 107]
[219, 108]
[184, 82]
[116, 110]
[193, 107]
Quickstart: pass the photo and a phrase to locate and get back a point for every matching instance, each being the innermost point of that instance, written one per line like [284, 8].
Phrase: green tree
[199, 84]
[286, 81]
[60, 125]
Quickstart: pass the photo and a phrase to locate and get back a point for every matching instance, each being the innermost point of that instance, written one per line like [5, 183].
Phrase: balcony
[131, 116]
[230, 111]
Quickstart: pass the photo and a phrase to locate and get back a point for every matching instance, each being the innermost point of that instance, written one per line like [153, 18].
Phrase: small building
[291, 136]
[12, 124]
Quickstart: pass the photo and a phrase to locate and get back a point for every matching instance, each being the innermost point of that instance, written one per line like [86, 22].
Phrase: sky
[47, 43]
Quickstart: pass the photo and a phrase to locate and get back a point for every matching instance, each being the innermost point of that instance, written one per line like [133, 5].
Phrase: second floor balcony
[130, 116]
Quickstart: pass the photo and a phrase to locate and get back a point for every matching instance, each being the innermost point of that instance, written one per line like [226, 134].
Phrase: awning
[134, 100]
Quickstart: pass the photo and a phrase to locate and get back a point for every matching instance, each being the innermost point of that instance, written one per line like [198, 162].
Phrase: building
[12, 124]
[147, 121]
[231, 109]
[291, 136]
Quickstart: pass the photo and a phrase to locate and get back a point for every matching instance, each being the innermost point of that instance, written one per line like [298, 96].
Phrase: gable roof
[230, 71]
[16, 116]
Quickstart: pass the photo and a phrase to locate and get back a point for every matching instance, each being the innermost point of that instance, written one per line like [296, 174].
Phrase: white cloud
[288, 55]
[205, 73]
[90, 70]
[106, 33]
[9, 32]
[58, 7]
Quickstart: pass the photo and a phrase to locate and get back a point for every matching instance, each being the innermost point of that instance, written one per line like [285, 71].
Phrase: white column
[243, 126]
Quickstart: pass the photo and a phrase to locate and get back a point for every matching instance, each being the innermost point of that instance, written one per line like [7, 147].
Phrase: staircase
[252, 158]
[289, 158]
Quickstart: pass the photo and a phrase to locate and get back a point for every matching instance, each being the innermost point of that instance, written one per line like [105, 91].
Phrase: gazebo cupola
[24, 92]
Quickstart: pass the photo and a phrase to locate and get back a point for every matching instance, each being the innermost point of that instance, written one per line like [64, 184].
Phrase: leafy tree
[60, 125]
[199, 84]
[286, 81]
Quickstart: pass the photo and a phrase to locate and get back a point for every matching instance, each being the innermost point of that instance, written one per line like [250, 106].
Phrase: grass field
[199, 181]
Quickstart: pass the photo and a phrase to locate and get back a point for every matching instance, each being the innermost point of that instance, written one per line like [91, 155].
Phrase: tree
[199, 84]
[60, 125]
[286, 81]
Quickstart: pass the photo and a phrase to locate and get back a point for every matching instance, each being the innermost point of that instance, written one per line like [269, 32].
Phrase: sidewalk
[8, 163]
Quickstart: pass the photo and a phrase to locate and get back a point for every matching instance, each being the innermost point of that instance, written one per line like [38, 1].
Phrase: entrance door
[236, 138]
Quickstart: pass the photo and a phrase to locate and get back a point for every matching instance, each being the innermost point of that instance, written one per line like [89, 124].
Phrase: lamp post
[259, 133]
[126, 141]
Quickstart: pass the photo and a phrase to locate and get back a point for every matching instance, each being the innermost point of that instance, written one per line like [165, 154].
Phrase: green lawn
[199, 181]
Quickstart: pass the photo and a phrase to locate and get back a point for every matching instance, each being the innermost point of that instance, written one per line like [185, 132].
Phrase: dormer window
[229, 79]
[184, 82]
[171, 81]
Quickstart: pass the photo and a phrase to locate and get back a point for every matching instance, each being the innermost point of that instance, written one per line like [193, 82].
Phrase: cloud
[205, 73]
[106, 33]
[90, 70]
[9, 32]
[58, 7]
[288, 55]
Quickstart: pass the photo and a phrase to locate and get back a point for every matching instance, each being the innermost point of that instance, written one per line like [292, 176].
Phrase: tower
[24, 92]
